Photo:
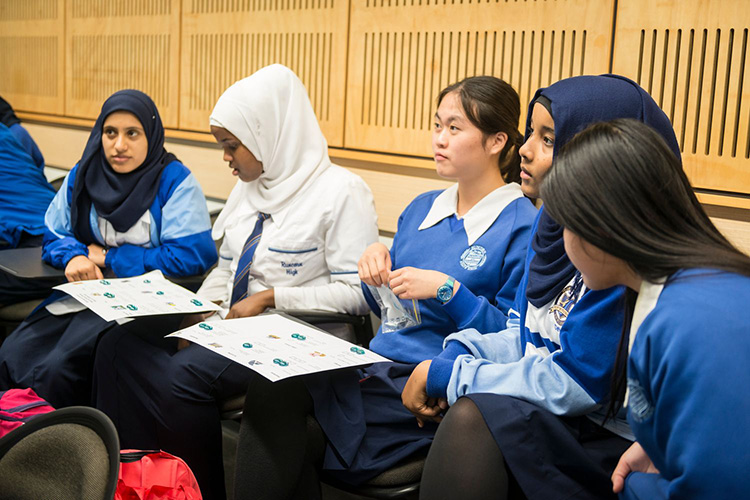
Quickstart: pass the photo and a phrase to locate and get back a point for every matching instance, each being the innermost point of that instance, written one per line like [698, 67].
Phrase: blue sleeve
[471, 311]
[22, 136]
[573, 380]
[186, 247]
[642, 486]
[59, 244]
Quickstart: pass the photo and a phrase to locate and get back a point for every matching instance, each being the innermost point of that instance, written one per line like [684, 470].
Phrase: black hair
[493, 106]
[618, 186]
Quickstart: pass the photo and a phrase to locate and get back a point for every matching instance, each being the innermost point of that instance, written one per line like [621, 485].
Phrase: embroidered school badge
[639, 406]
[473, 257]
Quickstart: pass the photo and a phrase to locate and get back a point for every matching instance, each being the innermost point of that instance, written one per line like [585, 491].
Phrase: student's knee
[463, 414]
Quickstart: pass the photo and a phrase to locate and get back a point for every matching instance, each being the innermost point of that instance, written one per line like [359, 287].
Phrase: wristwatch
[445, 291]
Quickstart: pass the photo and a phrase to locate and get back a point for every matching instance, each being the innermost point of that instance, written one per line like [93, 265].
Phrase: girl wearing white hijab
[295, 226]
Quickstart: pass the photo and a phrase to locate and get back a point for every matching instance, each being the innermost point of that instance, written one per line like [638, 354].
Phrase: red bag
[155, 475]
[17, 406]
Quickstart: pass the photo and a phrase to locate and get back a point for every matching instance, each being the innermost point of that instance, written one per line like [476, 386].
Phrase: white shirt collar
[480, 217]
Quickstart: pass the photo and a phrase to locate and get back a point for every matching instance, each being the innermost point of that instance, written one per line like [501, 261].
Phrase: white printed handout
[146, 295]
[277, 347]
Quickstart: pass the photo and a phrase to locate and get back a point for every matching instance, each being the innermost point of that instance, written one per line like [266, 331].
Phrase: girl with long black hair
[631, 218]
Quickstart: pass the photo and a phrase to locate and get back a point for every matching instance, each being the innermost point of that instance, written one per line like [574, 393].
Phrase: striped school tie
[239, 290]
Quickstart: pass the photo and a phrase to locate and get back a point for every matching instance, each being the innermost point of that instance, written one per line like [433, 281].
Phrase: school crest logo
[473, 257]
[565, 301]
[639, 406]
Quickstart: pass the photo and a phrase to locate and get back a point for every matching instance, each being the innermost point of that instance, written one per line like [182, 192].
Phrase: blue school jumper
[551, 361]
[688, 377]
[25, 195]
[54, 354]
[360, 411]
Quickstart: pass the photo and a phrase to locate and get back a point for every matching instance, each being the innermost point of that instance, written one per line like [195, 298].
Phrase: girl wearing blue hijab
[127, 207]
[526, 403]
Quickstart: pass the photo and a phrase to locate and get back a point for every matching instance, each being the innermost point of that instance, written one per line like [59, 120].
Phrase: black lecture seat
[68, 454]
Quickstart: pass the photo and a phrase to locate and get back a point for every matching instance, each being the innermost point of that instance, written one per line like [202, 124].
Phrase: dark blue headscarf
[7, 116]
[576, 103]
[119, 198]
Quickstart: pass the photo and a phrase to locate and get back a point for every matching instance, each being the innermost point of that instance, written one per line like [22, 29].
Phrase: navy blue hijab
[119, 198]
[7, 116]
[576, 103]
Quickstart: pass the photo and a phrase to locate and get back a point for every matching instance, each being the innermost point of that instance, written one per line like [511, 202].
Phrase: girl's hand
[97, 255]
[252, 305]
[81, 268]
[413, 283]
[414, 396]
[375, 265]
[633, 460]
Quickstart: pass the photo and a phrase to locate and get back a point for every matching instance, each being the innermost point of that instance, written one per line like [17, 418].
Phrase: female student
[460, 252]
[126, 208]
[529, 420]
[636, 222]
[293, 228]
[25, 195]
[9, 119]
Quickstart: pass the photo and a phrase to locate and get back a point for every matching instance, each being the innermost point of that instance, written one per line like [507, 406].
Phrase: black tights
[281, 447]
[464, 460]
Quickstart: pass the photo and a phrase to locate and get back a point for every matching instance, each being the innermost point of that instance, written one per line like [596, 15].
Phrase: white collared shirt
[308, 251]
[480, 217]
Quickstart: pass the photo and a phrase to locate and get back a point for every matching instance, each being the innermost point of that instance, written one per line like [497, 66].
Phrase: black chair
[68, 454]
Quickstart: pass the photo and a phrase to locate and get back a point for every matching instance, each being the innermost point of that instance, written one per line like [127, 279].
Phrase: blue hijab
[119, 198]
[575, 103]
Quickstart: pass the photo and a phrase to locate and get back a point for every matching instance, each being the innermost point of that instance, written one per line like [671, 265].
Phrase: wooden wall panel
[397, 67]
[122, 44]
[224, 41]
[692, 56]
[32, 31]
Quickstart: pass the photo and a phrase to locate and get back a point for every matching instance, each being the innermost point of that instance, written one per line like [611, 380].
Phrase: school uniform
[24, 197]
[155, 219]
[552, 360]
[360, 411]
[687, 379]
[314, 218]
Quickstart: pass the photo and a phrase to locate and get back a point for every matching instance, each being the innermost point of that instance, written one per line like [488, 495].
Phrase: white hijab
[270, 113]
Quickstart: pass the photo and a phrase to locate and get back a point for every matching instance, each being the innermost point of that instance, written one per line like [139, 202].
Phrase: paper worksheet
[146, 295]
[277, 347]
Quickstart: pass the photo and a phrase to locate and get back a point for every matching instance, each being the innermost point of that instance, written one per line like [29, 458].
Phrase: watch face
[444, 293]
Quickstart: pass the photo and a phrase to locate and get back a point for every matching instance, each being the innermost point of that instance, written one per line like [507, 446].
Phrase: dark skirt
[53, 355]
[552, 457]
[368, 429]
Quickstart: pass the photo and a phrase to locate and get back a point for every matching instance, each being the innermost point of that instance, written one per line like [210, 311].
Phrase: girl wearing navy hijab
[526, 403]
[127, 207]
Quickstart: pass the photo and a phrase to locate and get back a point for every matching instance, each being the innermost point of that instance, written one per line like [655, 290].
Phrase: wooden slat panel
[32, 54]
[122, 44]
[692, 56]
[226, 41]
[397, 68]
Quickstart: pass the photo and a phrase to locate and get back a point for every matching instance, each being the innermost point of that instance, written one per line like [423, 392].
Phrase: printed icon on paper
[147, 281]
[254, 362]
[272, 336]
[104, 282]
[247, 345]
[171, 304]
[109, 295]
[317, 354]
[298, 336]
[132, 307]
[214, 344]
[357, 350]
[205, 326]
[280, 362]
[196, 302]
[160, 293]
